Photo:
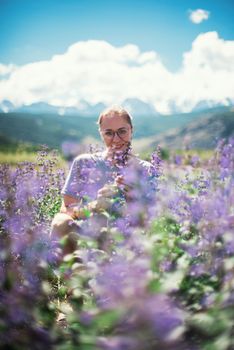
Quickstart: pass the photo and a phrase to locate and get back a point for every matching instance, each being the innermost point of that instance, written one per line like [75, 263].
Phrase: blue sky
[173, 55]
[34, 30]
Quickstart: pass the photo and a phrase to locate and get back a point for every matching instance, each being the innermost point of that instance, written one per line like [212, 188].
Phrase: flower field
[165, 282]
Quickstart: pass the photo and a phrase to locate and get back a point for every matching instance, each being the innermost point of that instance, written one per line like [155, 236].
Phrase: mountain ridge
[169, 131]
[203, 133]
[135, 106]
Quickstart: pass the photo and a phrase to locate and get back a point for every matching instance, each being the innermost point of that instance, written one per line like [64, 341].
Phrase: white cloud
[96, 71]
[5, 70]
[198, 16]
[208, 50]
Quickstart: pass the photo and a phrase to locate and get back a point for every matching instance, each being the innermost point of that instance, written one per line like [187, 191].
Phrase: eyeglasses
[121, 132]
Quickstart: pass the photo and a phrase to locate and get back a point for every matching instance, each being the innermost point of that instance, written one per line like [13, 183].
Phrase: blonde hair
[115, 110]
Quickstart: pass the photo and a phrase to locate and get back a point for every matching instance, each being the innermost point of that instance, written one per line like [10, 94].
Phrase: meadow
[157, 277]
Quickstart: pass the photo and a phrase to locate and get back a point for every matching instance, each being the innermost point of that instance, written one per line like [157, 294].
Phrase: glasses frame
[114, 133]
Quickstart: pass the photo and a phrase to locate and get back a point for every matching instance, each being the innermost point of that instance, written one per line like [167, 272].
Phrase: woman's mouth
[117, 146]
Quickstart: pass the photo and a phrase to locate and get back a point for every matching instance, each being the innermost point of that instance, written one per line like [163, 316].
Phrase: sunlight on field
[19, 157]
[168, 155]
[14, 158]
[204, 154]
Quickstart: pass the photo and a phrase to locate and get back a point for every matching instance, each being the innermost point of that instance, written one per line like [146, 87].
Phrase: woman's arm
[74, 208]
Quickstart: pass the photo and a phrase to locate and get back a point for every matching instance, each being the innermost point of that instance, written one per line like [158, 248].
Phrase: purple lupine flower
[178, 159]
[194, 160]
[156, 162]
[120, 280]
[197, 211]
[163, 315]
[121, 342]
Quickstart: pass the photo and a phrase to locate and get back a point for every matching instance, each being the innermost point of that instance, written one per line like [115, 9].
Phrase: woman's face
[115, 132]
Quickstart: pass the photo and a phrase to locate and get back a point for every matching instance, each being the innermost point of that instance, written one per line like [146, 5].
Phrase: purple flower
[163, 315]
[178, 159]
[117, 343]
[120, 280]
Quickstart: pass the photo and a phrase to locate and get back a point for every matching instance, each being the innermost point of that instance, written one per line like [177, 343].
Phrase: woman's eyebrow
[122, 127]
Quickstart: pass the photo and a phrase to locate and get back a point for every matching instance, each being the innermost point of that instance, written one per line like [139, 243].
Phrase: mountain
[135, 106]
[84, 108]
[170, 131]
[6, 106]
[49, 129]
[35, 108]
[54, 129]
[208, 104]
[6, 143]
[201, 133]
[139, 108]
[90, 110]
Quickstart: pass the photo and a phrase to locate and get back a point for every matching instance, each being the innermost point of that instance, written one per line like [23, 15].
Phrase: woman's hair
[115, 110]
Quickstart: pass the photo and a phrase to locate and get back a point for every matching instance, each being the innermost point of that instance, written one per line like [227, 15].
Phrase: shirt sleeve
[72, 186]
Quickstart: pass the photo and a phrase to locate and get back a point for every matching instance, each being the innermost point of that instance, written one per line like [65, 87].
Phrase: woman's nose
[116, 136]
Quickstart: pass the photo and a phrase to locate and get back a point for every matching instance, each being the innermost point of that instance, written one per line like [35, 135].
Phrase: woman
[95, 179]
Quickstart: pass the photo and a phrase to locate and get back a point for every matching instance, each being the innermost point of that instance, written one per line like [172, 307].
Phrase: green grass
[18, 156]
[13, 158]
[167, 154]
[204, 154]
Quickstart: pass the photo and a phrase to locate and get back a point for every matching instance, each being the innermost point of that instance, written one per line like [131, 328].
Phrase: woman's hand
[108, 191]
[125, 187]
[73, 207]
[107, 194]
[105, 197]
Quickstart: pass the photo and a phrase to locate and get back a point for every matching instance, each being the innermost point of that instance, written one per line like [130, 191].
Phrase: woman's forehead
[113, 121]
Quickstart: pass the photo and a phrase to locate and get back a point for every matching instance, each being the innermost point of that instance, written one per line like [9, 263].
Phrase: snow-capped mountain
[139, 108]
[39, 107]
[136, 107]
[133, 105]
[84, 108]
[6, 106]
[207, 104]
